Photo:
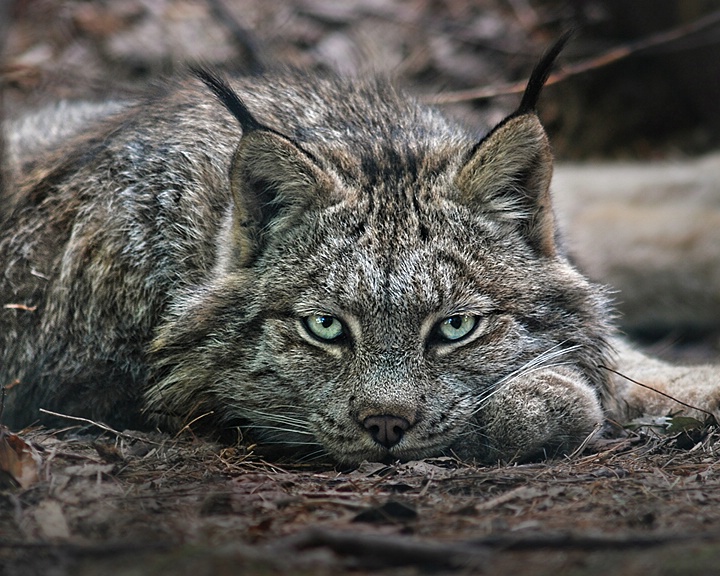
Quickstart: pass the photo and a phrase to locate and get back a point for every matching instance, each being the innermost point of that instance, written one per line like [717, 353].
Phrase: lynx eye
[324, 327]
[455, 328]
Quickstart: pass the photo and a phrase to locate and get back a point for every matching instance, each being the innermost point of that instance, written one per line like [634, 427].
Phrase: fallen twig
[588, 541]
[89, 549]
[24, 307]
[612, 55]
[98, 425]
[372, 551]
[711, 417]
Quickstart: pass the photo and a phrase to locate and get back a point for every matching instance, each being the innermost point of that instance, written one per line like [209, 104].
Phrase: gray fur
[167, 261]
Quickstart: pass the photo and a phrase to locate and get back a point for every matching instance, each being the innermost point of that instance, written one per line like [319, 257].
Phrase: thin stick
[98, 424]
[612, 55]
[710, 414]
[20, 307]
[579, 450]
[187, 426]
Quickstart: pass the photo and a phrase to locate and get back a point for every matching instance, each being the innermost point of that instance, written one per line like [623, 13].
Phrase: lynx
[327, 264]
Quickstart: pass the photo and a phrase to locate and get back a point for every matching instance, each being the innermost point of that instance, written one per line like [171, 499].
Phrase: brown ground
[131, 504]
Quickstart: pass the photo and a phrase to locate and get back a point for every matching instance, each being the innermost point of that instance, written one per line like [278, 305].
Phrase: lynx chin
[327, 264]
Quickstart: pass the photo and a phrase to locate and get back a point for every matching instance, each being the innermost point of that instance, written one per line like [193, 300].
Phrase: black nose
[386, 430]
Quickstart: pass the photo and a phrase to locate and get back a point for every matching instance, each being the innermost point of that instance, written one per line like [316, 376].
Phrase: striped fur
[160, 266]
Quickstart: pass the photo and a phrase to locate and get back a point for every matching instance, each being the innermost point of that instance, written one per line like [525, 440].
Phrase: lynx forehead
[325, 263]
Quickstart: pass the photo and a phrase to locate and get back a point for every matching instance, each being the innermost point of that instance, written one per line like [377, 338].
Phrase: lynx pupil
[324, 327]
[456, 327]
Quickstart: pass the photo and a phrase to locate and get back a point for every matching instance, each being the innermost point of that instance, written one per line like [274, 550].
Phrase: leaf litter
[137, 499]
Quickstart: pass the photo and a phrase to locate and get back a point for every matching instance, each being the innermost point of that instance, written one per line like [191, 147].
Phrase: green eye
[456, 327]
[324, 327]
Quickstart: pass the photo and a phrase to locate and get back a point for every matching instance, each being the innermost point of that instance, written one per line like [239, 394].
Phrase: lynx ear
[508, 176]
[271, 177]
[508, 173]
[272, 181]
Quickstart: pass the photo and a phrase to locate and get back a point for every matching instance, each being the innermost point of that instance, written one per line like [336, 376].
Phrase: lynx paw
[544, 414]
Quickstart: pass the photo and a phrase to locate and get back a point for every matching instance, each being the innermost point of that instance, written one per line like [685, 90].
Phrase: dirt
[87, 501]
[134, 503]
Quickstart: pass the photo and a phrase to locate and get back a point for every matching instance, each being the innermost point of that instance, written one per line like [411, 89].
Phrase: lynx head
[378, 282]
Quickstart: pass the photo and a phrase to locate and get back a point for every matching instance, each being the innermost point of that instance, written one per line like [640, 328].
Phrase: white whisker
[277, 417]
[279, 429]
[317, 455]
[543, 361]
[285, 442]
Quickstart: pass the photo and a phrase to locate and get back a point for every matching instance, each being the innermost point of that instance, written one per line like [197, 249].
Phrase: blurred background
[659, 99]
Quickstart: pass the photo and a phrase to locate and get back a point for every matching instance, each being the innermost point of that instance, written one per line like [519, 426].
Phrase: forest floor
[133, 503]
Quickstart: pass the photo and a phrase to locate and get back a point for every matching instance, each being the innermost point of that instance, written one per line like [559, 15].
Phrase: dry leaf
[19, 461]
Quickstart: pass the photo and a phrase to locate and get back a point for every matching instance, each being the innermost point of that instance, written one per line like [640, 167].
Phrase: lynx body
[326, 263]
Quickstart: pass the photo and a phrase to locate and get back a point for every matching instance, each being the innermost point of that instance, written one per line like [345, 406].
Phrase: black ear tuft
[540, 74]
[229, 99]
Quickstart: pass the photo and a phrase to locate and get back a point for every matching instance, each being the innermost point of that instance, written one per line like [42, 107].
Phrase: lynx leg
[697, 386]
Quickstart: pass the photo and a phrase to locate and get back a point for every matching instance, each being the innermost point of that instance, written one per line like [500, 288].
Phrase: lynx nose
[386, 430]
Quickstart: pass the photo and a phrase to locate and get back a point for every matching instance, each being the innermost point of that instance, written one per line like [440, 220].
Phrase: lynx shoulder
[326, 263]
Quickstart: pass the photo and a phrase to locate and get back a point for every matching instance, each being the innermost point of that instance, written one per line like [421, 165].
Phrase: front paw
[540, 415]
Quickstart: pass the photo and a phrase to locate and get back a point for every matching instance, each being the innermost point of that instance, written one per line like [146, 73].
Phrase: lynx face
[398, 304]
